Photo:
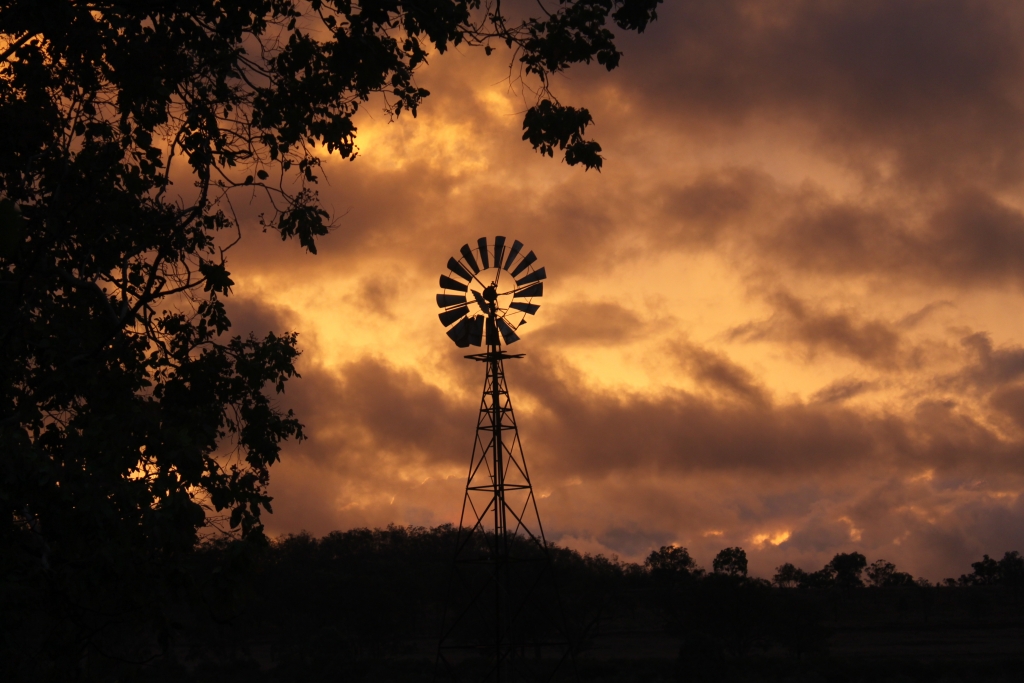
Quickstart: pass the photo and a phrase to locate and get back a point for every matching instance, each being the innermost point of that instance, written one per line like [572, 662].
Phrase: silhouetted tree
[789, 576]
[823, 578]
[1008, 571]
[847, 569]
[882, 574]
[672, 562]
[1011, 568]
[843, 571]
[130, 417]
[730, 561]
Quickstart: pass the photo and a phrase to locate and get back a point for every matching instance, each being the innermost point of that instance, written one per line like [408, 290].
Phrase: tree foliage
[1009, 571]
[131, 417]
[731, 562]
[671, 562]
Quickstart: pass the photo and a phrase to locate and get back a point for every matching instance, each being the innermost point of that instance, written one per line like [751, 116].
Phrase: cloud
[927, 89]
[990, 367]
[871, 341]
[842, 390]
[588, 323]
[716, 372]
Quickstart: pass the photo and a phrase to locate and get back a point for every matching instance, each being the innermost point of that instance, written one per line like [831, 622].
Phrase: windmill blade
[531, 309]
[448, 283]
[507, 333]
[476, 329]
[499, 250]
[481, 245]
[457, 268]
[448, 317]
[467, 254]
[460, 334]
[517, 246]
[535, 276]
[532, 290]
[527, 260]
[492, 332]
[446, 300]
[479, 300]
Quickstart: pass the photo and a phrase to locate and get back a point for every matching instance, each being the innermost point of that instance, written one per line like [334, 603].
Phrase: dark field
[366, 606]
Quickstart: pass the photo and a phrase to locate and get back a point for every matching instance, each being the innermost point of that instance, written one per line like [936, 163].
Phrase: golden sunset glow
[785, 315]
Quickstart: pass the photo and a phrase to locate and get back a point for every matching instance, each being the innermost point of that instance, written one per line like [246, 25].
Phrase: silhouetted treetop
[788, 576]
[847, 568]
[672, 562]
[882, 574]
[731, 561]
[843, 571]
[1009, 571]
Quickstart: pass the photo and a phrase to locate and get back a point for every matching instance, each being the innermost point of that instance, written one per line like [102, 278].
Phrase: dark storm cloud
[842, 390]
[966, 237]
[596, 433]
[715, 204]
[928, 86]
[912, 320]
[990, 367]
[975, 238]
[931, 86]
[1010, 402]
[370, 408]
[794, 321]
[718, 373]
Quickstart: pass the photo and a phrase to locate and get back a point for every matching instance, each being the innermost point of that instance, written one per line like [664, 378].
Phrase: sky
[784, 316]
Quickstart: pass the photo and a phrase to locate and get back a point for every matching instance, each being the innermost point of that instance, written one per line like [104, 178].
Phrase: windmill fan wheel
[488, 292]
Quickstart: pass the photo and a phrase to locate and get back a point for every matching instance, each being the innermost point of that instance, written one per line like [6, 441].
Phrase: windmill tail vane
[503, 618]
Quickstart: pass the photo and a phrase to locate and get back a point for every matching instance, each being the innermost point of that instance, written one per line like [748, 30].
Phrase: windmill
[503, 619]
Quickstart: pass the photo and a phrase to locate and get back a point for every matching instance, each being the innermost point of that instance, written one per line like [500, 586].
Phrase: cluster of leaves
[130, 416]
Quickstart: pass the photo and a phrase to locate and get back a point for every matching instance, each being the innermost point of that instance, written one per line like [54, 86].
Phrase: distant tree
[823, 578]
[672, 562]
[789, 576]
[1011, 568]
[882, 574]
[847, 568]
[731, 561]
[988, 571]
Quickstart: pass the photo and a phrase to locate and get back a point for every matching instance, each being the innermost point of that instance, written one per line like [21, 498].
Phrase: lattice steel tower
[503, 619]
